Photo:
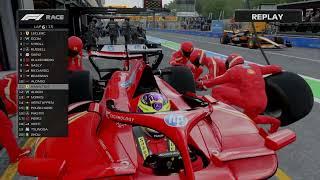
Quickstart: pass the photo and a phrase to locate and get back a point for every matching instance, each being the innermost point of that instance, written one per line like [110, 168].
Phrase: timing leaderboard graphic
[42, 73]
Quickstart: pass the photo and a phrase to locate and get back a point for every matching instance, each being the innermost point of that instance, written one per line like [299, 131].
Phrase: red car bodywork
[101, 144]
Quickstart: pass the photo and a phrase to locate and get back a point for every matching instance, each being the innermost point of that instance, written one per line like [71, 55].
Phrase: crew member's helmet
[186, 48]
[197, 56]
[233, 60]
[95, 20]
[150, 103]
[75, 46]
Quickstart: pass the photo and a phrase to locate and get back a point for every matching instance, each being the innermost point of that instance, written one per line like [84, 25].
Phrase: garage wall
[8, 28]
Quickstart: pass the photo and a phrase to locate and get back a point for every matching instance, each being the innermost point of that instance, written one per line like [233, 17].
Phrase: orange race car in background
[244, 38]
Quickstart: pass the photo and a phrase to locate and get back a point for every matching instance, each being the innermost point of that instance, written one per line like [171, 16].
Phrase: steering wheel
[164, 164]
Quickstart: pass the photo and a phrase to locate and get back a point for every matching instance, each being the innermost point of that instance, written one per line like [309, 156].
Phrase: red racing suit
[215, 68]
[75, 63]
[8, 92]
[75, 46]
[196, 71]
[7, 138]
[243, 86]
[8, 95]
[178, 59]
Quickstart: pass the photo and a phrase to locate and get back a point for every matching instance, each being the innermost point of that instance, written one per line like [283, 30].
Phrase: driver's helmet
[75, 46]
[186, 48]
[197, 56]
[233, 60]
[150, 103]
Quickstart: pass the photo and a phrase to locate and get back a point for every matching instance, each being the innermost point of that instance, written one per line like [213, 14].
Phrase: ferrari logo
[250, 71]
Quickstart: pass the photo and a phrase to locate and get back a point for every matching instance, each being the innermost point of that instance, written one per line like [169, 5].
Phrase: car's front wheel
[180, 78]
[290, 98]
[80, 86]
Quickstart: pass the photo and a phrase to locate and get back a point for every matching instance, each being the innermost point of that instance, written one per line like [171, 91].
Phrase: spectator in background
[91, 35]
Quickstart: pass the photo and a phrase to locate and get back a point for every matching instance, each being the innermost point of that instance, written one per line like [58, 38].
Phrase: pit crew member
[8, 106]
[126, 30]
[113, 29]
[75, 46]
[199, 59]
[182, 56]
[151, 142]
[243, 86]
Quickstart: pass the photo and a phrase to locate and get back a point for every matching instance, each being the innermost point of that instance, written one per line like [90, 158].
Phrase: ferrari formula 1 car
[101, 143]
[245, 39]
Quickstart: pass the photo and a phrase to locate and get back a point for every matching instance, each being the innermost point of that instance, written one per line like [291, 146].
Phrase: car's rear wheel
[289, 97]
[279, 40]
[80, 86]
[225, 39]
[181, 79]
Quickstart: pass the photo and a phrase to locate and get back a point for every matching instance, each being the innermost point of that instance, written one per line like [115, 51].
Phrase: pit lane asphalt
[300, 160]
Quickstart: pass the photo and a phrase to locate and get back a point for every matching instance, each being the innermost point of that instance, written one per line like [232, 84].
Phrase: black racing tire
[279, 40]
[80, 86]
[181, 79]
[288, 43]
[225, 39]
[290, 98]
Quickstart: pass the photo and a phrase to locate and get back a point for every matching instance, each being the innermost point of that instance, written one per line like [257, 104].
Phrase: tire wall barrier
[305, 42]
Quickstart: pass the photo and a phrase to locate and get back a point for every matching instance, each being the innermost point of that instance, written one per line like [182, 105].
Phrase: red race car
[101, 143]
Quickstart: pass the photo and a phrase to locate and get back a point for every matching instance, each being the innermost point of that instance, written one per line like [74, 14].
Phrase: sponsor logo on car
[121, 118]
[175, 120]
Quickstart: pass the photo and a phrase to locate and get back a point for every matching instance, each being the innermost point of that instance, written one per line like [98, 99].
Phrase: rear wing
[125, 53]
